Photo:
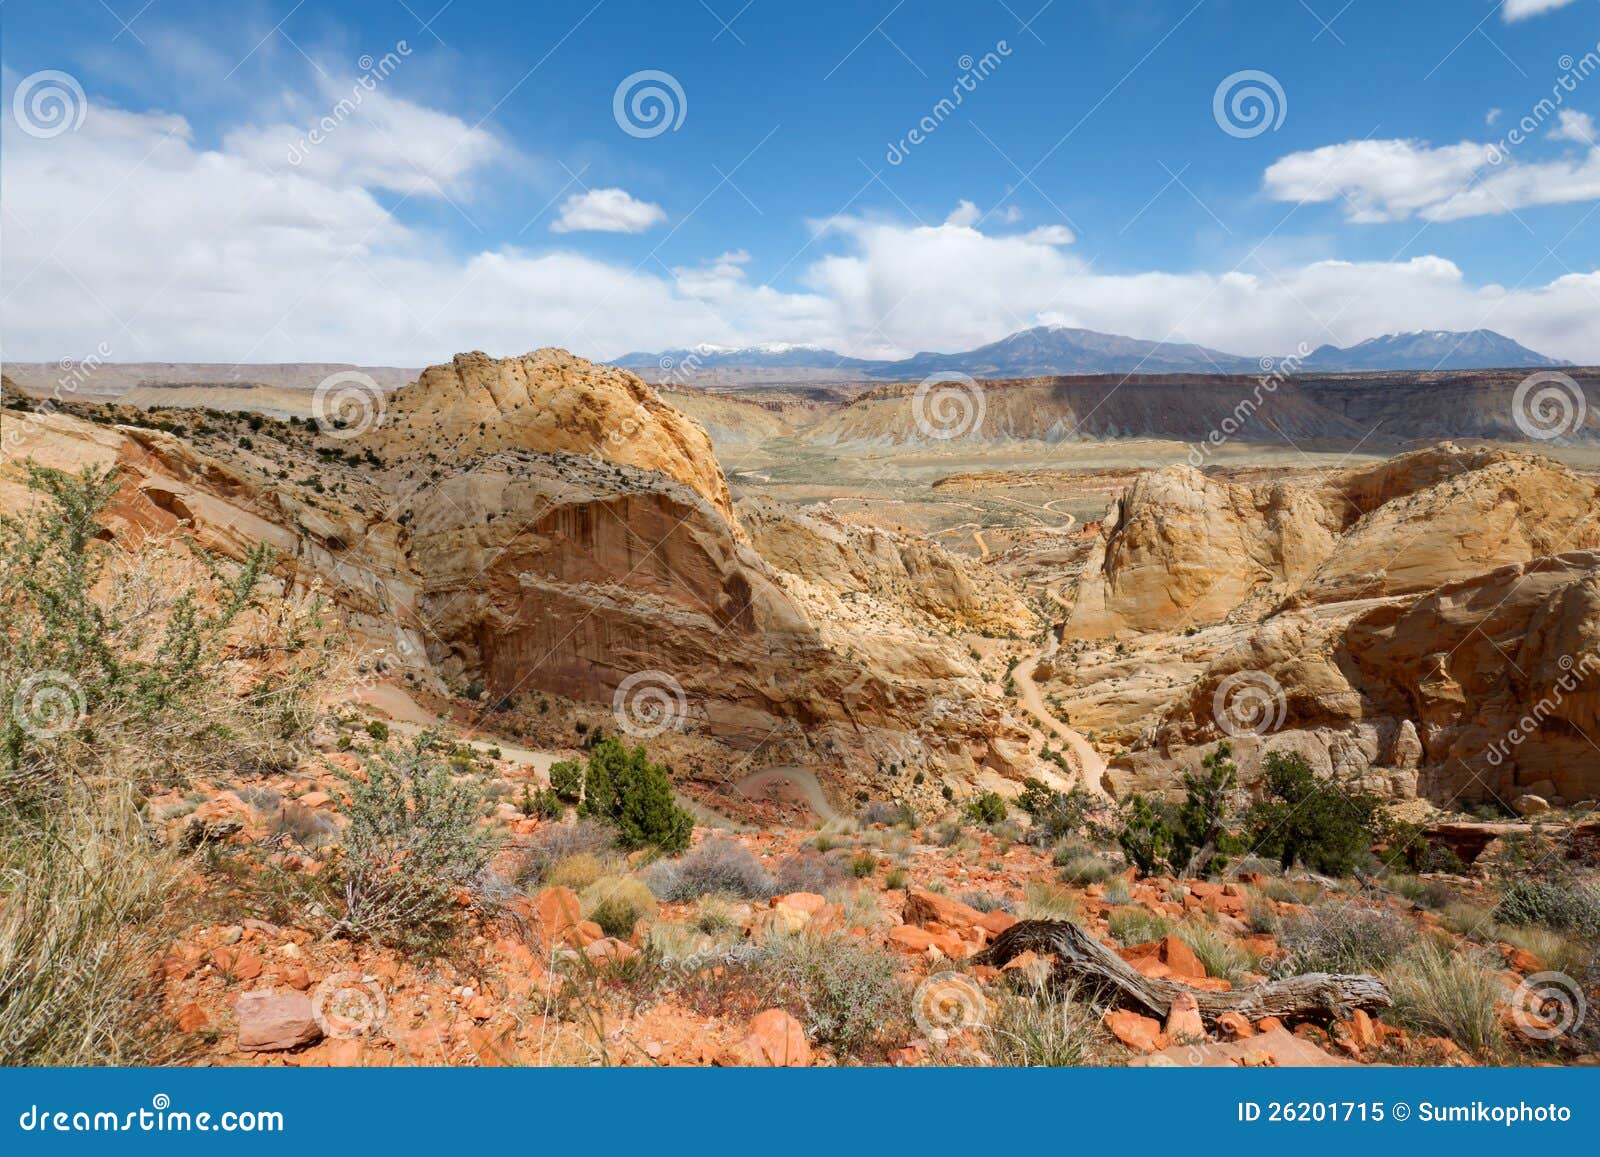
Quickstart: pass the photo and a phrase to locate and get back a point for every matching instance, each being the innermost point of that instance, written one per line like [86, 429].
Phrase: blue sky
[484, 193]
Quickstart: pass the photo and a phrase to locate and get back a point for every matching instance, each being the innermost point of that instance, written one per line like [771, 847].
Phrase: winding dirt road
[1089, 762]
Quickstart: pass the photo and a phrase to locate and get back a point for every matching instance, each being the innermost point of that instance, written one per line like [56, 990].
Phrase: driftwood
[1082, 959]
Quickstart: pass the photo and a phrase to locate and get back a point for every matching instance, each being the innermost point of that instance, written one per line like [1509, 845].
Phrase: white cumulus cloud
[606, 211]
[1514, 10]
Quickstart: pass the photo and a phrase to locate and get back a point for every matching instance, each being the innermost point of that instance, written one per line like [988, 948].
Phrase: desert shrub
[553, 843]
[81, 919]
[807, 872]
[1566, 905]
[863, 864]
[1045, 1026]
[1201, 839]
[1291, 891]
[1216, 950]
[122, 663]
[617, 903]
[1086, 870]
[1056, 815]
[850, 992]
[566, 780]
[575, 872]
[378, 730]
[623, 786]
[713, 915]
[987, 902]
[894, 878]
[893, 814]
[1449, 993]
[1043, 901]
[1118, 891]
[1465, 918]
[1146, 836]
[1135, 924]
[1344, 937]
[987, 808]
[716, 866]
[412, 844]
[1325, 824]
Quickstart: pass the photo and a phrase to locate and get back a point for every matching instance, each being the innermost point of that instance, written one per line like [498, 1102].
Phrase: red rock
[1362, 1030]
[1183, 1020]
[996, 922]
[480, 1007]
[192, 1018]
[340, 1053]
[922, 907]
[1521, 960]
[1140, 1033]
[273, 1021]
[1235, 1026]
[295, 977]
[584, 933]
[1277, 1048]
[556, 911]
[777, 1040]
[807, 902]
[610, 949]
[494, 1048]
[1268, 1024]
[247, 967]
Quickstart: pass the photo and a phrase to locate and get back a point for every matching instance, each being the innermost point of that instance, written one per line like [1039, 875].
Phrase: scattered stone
[1140, 1033]
[777, 1040]
[274, 1021]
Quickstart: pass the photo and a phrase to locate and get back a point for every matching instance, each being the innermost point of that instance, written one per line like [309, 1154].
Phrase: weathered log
[1082, 959]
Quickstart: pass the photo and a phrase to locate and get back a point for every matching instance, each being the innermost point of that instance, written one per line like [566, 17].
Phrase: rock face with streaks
[1430, 623]
[543, 524]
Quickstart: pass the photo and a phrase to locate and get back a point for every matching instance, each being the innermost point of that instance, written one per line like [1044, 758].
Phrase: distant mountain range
[1052, 350]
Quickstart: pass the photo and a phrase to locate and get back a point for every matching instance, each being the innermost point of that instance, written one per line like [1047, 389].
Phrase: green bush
[863, 864]
[108, 665]
[412, 844]
[1566, 905]
[1324, 824]
[988, 808]
[378, 730]
[1056, 814]
[566, 780]
[1146, 836]
[623, 786]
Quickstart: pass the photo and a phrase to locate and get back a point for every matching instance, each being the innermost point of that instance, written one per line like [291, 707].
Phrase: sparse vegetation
[1339, 936]
[716, 866]
[412, 847]
[1451, 993]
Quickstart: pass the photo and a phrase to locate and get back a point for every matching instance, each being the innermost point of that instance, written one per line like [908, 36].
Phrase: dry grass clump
[1221, 955]
[82, 898]
[617, 903]
[575, 872]
[1339, 936]
[1044, 901]
[716, 866]
[1455, 994]
[1045, 1026]
[1134, 924]
[850, 994]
